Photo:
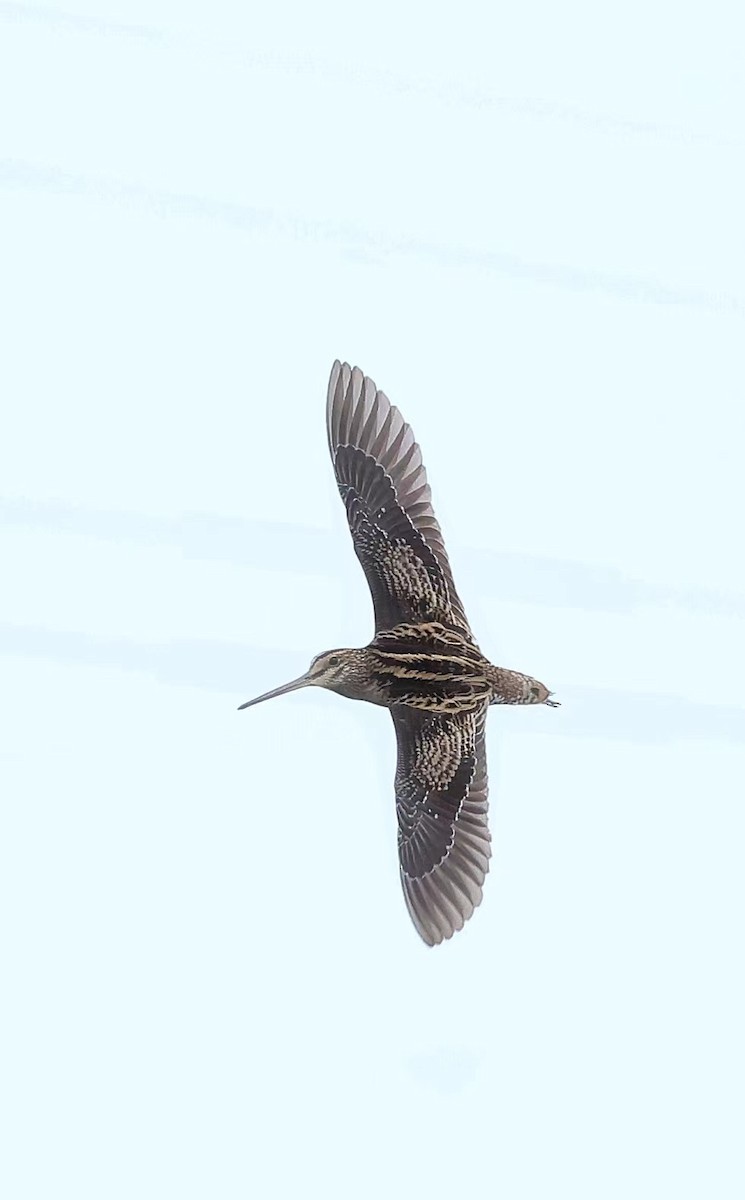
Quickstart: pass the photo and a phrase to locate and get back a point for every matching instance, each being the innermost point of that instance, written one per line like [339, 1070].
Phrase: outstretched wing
[383, 484]
[441, 802]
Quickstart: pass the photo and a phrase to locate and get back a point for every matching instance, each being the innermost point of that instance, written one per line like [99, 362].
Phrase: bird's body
[428, 667]
[423, 663]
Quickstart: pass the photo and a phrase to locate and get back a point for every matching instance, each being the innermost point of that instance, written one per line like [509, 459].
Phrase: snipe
[423, 663]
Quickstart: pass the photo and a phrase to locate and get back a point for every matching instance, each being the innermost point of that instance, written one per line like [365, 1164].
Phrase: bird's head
[341, 671]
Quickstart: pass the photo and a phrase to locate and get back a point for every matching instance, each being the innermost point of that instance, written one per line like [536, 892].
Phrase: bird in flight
[423, 663]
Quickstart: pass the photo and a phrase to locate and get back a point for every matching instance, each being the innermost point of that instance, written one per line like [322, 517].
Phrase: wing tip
[435, 914]
[385, 427]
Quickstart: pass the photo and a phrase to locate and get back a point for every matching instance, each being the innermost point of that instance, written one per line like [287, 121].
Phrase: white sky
[525, 222]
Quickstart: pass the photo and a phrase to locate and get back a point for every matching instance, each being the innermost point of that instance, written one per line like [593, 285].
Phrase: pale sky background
[525, 221]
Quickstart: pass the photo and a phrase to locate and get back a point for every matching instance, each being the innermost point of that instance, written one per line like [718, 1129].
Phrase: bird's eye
[334, 660]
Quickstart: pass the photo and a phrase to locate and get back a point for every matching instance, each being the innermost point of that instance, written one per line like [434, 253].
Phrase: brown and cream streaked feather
[383, 482]
[429, 667]
[442, 807]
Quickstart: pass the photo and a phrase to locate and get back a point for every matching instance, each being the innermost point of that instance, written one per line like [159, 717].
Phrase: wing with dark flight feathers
[441, 802]
[383, 484]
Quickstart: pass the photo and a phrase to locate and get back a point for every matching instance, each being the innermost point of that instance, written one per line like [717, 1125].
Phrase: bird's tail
[512, 687]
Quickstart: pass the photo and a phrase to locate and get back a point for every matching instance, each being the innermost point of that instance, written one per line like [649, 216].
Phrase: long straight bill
[303, 681]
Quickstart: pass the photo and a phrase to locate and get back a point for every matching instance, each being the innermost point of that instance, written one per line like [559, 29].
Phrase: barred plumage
[423, 663]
